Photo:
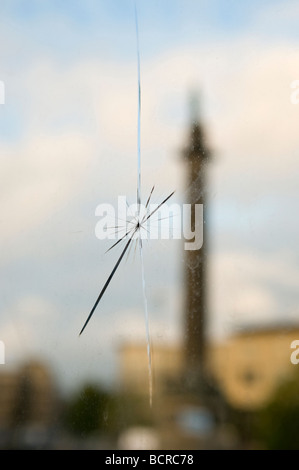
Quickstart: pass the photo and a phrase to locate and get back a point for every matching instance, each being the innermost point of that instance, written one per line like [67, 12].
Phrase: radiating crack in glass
[138, 224]
[133, 233]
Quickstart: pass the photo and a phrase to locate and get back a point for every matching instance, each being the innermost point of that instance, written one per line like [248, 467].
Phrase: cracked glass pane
[148, 198]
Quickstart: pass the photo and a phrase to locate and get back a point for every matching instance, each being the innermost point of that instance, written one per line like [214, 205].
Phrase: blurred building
[8, 392]
[167, 366]
[175, 416]
[28, 405]
[248, 366]
[196, 156]
[252, 363]
[35, 396]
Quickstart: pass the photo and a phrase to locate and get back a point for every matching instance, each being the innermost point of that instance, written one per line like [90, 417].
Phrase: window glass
[150, 172]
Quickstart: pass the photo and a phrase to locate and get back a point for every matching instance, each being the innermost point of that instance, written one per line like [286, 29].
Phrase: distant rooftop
[266, 327]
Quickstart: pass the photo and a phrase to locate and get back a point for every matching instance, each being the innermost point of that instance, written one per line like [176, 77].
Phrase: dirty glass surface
[193, 344]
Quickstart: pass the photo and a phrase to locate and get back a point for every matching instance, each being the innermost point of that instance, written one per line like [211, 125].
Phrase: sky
[68, 142]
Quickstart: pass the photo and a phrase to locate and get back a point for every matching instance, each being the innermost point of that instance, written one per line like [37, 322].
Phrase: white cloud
[39, 177]
[249, 288]
[281, 15]
[27, 327]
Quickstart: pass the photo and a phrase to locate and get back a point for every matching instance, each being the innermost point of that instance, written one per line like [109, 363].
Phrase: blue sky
[68, 142]
[72, 27]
